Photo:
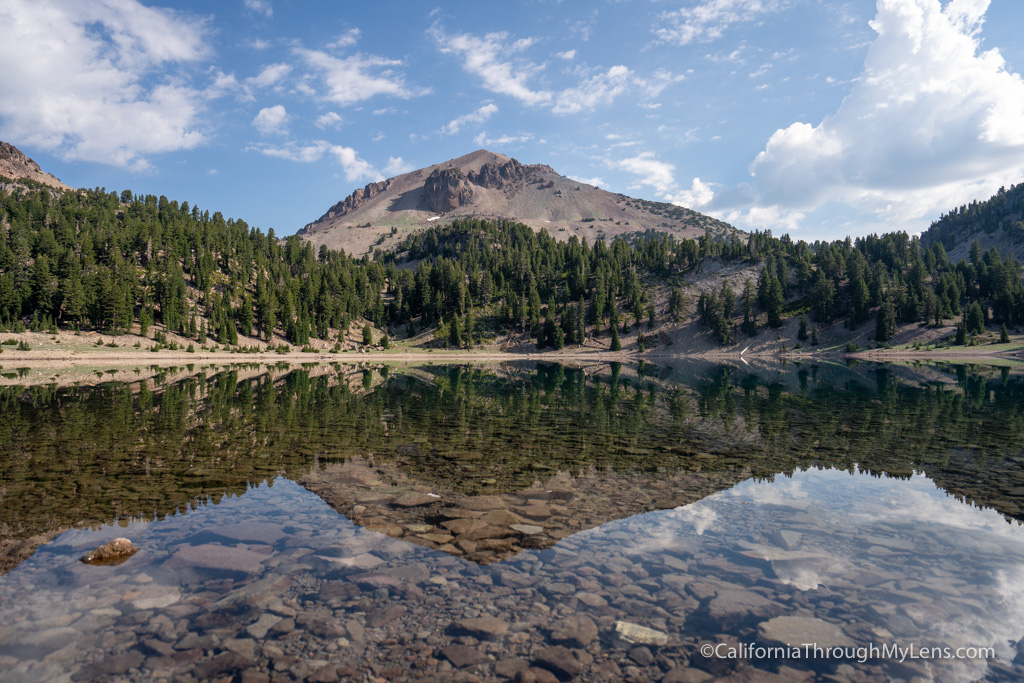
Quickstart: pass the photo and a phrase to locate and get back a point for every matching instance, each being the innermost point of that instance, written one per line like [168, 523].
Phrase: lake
[687, 521]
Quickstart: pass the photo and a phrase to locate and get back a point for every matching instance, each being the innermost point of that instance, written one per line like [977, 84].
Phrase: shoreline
[298, 357]
[66, 351]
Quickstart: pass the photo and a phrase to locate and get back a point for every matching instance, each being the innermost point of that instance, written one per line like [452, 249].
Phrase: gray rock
[462, 656]
[224, 558]
[254, 532]
[640, 635]
[257, 594]
[262, 625]
[559, 660]
[484, 628]
[798, 631]
[575, 631]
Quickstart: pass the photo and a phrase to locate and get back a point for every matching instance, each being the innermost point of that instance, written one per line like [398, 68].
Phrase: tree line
[116, 262]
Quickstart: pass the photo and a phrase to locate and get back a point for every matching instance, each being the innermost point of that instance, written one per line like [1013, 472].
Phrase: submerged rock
[801, 631]
[111, 554]
[640, 635]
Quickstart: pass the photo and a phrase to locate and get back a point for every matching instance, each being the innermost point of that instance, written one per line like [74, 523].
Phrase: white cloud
[346, 39]
[650, 171]
[492, 59]
[595, 181]
[269, 75]
[709, 19]
[258, 44]
[598, 90]
[302, 154]
[658, 81]
[397, 166]
[260, 7]
[358, 77]
[931, 122]
[700, 194]
[478, 116]
[271, 120]
[89, 80]
[353, 166]
[568, 55]
[483, 141]
[329, 120]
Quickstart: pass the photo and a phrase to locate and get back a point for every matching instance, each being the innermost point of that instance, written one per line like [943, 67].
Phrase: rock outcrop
[15, 166]
[357, 199]
[447, 189]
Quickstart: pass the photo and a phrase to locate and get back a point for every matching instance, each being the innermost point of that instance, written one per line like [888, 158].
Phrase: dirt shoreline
[39, 358]
[67, 351]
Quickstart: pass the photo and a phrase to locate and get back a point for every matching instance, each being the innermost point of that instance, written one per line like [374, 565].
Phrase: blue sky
[819, 118]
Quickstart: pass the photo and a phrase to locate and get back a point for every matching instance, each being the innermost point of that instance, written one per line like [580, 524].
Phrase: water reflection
[516, 521]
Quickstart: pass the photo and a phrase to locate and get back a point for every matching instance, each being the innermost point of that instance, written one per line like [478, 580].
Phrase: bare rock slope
[488, 185]
[15, 166]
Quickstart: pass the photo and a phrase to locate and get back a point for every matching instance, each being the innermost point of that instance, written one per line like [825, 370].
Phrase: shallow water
[441, 523]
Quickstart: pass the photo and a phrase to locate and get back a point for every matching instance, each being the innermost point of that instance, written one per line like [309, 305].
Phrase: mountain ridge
[484, 184]
[16, 167]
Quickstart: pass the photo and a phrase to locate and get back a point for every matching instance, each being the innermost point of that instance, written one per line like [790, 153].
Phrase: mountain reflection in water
[517, 519]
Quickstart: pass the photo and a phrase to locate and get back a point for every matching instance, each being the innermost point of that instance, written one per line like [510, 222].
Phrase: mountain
[493, 186]
[15, 166]
[995, 222]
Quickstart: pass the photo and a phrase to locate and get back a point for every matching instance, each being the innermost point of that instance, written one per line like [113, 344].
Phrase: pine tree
[749, 318]
[814, 337]
[616, 344]
[367, 335]
[885, 321]
[1004, 335]
[454, 333]
[802, 333]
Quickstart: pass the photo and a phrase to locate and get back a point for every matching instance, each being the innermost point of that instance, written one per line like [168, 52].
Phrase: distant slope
[996, 222]
[488, 185]
[15, 166]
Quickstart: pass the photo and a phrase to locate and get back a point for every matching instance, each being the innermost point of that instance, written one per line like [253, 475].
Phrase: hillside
[996, 222]
[178, 277]
[15, 166]
[493, 186]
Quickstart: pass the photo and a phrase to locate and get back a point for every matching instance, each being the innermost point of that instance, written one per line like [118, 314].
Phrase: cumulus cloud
[931, 122]
[329, 120]
[269, 75]
[493, 59]
[397, 166]
[359, 77]
[710, 19]
[353, 166]
[700, 194]
[650, 171]
[97, 85]
[477, 116]
[598, 90]
[271, 120]
[568, 55]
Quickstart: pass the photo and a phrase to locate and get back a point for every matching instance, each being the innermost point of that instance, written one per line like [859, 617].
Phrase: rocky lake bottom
[383, 562]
